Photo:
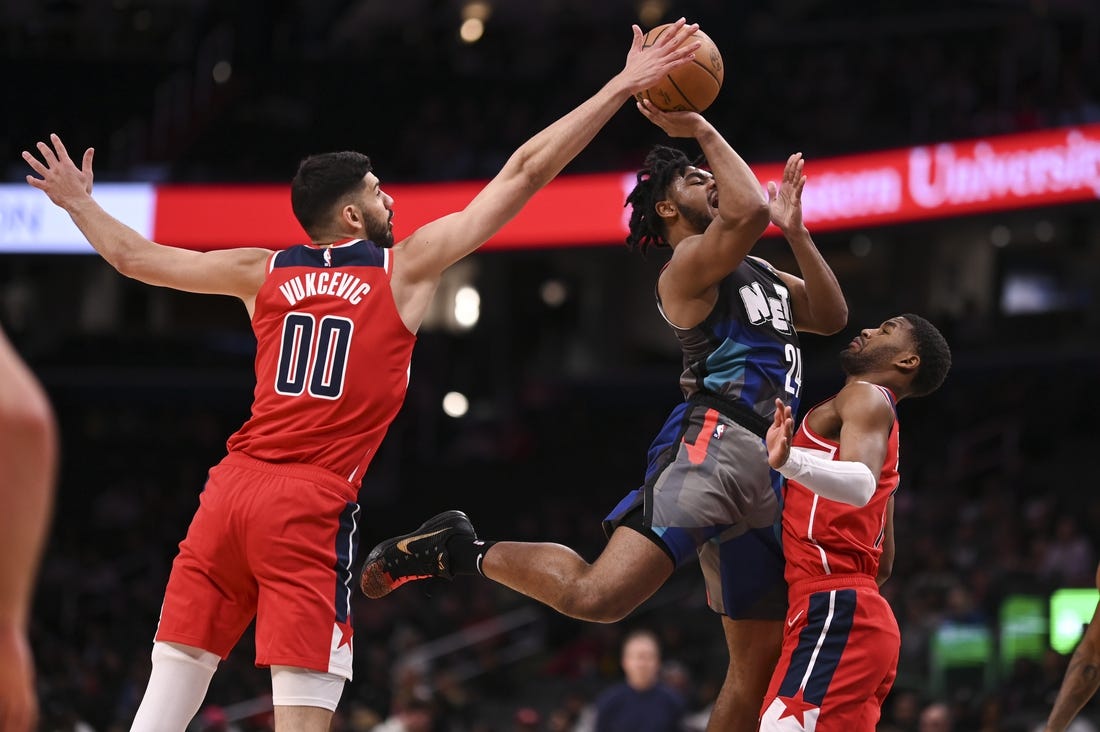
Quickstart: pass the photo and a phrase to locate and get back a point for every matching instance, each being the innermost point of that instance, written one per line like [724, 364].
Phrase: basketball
[691, 87]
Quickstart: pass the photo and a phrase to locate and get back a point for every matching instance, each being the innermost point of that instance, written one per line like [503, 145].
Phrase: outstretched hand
[675, 124]
[779, 435]
[61, 180]
[646, 65]
[785, 201]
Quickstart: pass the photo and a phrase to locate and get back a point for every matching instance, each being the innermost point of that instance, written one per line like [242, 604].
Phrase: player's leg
[744, 578]
[839, 651]
[209, 601]
[177, 685]
[754, 650]
[635, 563]
[628, 571]
[304, 700]
[300, 544]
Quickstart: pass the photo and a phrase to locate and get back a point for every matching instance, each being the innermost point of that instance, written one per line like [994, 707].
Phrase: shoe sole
[375, 582]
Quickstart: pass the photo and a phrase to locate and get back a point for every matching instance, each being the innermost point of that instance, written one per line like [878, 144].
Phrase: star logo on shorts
[345, 632]
[796, 706]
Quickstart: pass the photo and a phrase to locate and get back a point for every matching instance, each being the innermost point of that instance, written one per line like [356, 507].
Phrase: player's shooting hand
[18, 703]
[779, 435]
[60, 179]
[785, 200]
[645, 66]
[675, 124]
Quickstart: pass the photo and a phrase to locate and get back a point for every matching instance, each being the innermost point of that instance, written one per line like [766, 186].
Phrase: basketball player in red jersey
[1082, 677]
[841, 641]
[28, 467]
[335, 323]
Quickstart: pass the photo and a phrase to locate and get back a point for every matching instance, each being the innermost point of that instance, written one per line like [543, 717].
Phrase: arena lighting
[467, 309]
[471, 30]
[1043, 168]
[455, 404]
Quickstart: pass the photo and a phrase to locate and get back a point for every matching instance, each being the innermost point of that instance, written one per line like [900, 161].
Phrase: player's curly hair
[322, 181]
[662, 165]
[934, 353]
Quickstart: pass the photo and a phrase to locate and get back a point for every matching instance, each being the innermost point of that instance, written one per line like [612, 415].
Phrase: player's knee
[298, 687]
[745, 686]
[176, 653]
[593, 603]
[29, 415]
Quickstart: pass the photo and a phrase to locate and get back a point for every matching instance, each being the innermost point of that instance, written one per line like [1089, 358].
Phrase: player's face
[877, 348]
[377, 212]
[641, 662]
[696, 197]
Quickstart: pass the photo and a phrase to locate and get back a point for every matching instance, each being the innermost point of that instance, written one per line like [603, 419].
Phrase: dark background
[148, 383]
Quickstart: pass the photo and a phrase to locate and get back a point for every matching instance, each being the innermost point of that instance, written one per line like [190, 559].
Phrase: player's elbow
[27, 414]
[755, 219]
[527, 171]
[863, 496]
[126, 264]
[835, 318]
[863, 487]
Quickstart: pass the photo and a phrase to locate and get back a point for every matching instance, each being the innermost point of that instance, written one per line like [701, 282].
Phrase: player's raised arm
[817, 300]
[435, 246]
[701, 262]
[237, 272]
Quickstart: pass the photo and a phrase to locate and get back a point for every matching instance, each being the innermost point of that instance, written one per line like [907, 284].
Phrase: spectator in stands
[641, 702]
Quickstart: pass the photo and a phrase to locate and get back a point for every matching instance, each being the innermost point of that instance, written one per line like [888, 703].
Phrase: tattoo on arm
[1081, 681]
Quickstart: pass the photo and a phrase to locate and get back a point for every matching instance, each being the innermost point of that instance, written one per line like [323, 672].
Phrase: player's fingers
[34, 162]
[636, 43]
[772, 190]
[47, 153]
[796, 166]
[36, 182]
[688, 50]
[59, 146]
[799, 186]
[674, 28]
[679, 32]
[86, 163]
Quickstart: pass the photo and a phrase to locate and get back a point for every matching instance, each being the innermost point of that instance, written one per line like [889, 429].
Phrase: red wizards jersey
[332, 359]
[823, 537]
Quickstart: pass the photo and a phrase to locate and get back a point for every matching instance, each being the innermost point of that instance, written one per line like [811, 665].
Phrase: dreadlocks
[662, 165]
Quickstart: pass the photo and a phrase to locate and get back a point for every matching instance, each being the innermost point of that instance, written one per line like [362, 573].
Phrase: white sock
[177, 685]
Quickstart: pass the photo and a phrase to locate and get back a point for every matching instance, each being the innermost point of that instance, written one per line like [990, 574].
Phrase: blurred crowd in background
[991, 504]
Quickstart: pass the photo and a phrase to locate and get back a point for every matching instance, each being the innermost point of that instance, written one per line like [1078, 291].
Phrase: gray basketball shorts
[711, 494]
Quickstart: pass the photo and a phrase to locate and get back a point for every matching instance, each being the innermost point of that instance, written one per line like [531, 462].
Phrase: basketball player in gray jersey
[709, 491]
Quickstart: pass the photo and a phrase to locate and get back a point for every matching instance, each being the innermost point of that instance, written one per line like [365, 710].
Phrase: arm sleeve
[846, 481]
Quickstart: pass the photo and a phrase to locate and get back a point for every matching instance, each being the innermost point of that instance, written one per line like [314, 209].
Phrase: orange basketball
[693, 86]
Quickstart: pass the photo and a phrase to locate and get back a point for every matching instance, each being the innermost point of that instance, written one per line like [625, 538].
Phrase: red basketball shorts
[272, 542]
[839, 659]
